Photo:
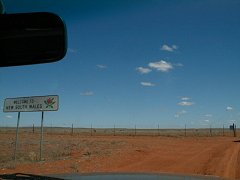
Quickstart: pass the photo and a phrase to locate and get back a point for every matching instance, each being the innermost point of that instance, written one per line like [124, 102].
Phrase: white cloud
[206, 120]
[147, 84]
[183, 112]
[143, 70]
[87, 93]
[168, 48]
[208, 115]
[9, 117]
[178, 64]
[186, 103]
[174, 46]
[185, 98]
[161, 66]
[100, 66]
[178, 114]
[229, 108]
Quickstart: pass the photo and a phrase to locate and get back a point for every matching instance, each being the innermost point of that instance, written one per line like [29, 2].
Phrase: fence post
[114, 130]
[234, 130]
[185, 130]
[210, 130]
[91, 129]
[223, 129]
[135, 130]
[33, 129]
[158, 130]
[72, 129]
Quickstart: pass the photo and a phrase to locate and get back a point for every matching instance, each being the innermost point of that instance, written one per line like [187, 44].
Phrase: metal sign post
[16, 140]
[41, 140]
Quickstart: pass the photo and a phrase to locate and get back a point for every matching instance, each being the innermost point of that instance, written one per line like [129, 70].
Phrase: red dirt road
[217, 156]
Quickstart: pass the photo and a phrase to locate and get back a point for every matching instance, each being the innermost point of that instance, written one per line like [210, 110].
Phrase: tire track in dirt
[215, 157]
[217, 160]
[177, 160]
[223, 161]
[230, 162]
[238, 164]
[195, 164]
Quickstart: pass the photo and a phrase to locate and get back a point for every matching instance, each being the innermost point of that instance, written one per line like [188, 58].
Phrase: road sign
[31, 104]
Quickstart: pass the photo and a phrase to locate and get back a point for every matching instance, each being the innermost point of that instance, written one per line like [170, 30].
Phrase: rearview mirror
[31, 38]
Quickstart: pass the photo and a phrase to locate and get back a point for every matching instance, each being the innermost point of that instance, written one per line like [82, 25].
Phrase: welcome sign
[31, 104]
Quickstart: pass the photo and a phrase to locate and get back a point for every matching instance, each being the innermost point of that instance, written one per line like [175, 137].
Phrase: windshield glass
[146, 86]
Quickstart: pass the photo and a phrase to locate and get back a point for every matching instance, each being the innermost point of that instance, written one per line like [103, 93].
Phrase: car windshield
[146, 86]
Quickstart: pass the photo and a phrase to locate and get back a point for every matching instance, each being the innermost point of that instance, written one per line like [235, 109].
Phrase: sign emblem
[49, 102]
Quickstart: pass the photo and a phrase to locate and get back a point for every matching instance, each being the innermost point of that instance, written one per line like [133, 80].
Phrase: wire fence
[60, 142]
[115, 131]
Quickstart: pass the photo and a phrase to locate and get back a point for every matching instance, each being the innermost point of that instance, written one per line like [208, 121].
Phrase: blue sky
[136, 62]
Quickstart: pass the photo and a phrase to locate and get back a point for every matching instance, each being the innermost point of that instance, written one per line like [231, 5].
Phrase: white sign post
[31, 104]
